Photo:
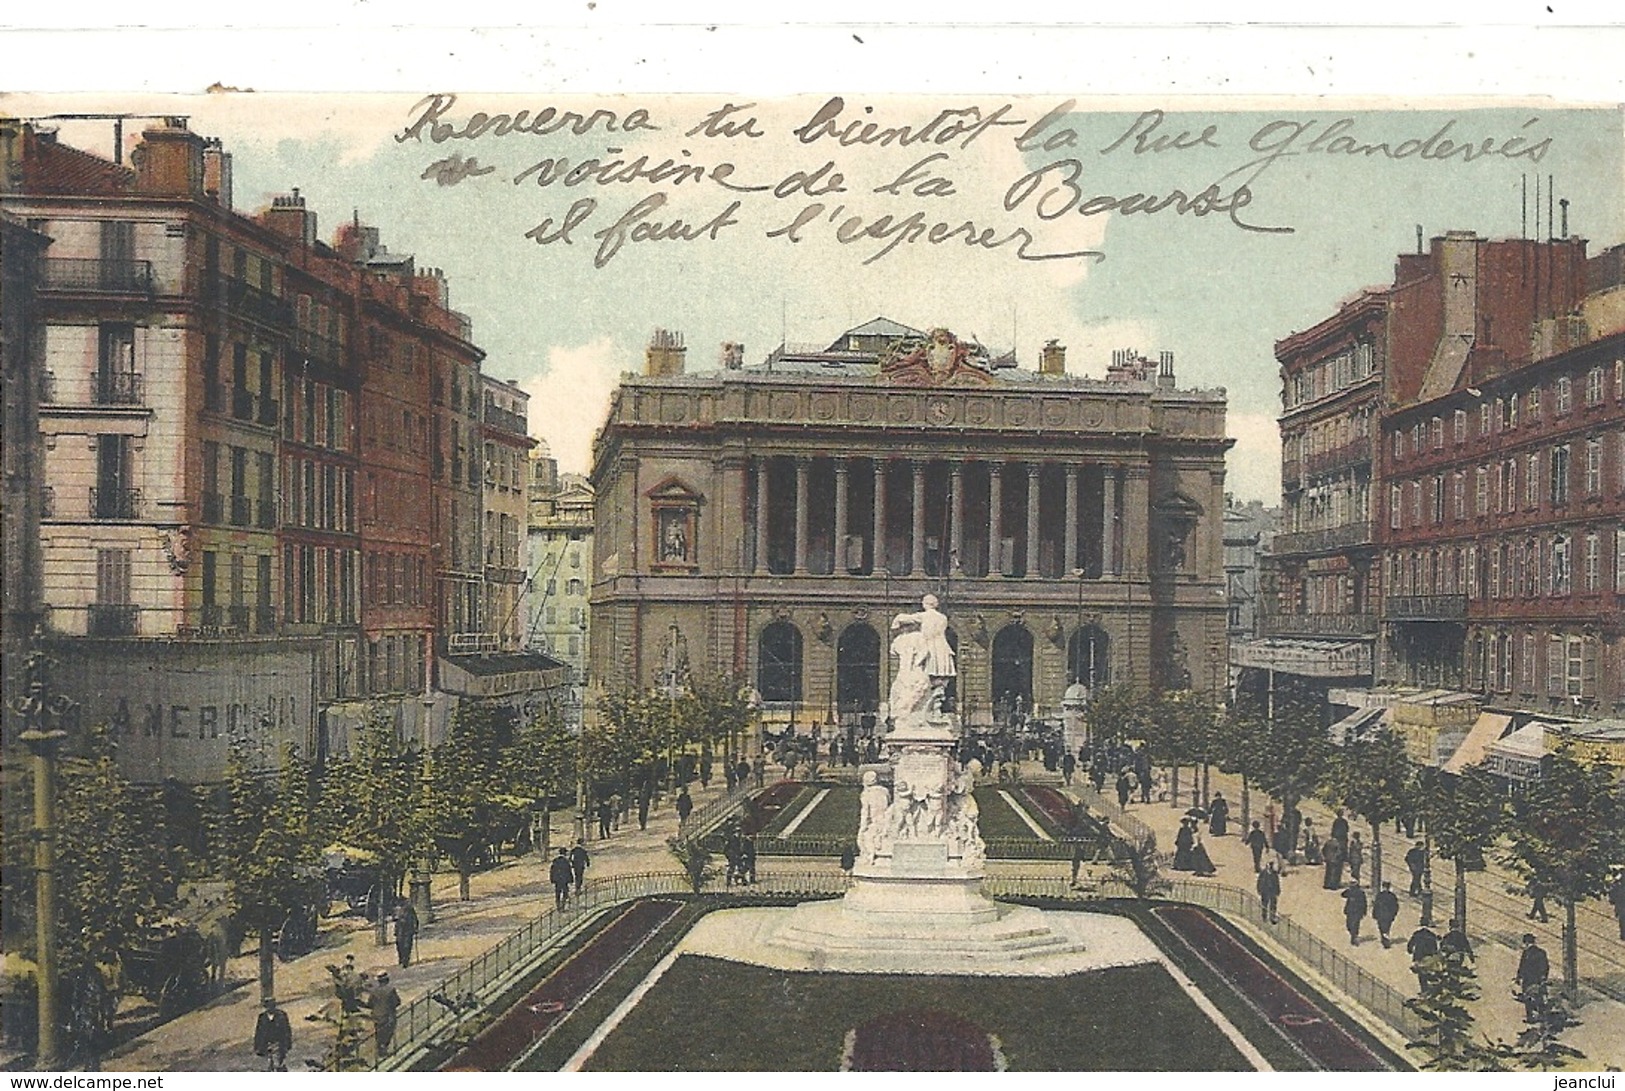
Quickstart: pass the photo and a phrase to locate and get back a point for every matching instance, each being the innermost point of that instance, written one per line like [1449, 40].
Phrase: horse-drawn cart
[174, 965]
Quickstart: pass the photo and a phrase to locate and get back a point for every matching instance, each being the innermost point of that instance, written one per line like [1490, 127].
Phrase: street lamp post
[42, 712]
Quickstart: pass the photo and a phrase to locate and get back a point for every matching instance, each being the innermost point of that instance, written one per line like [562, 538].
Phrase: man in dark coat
[1354, 909]
[1340, 828]
[1385, 910]
[747, 860]
[406, 933]
[1332, 852]
[1423, 944]
[1533, 970]
[643, 807]
[561, 875]
[1218, 815]
[1417, 860]
[578, 864]
[1283, 841]
[1125, 785]
[605, 815]
[385, 1002]
[273, 1037]
[1258, 842]
[1069, 765]
[685, 807]
[1269, 891]
[1142, 770]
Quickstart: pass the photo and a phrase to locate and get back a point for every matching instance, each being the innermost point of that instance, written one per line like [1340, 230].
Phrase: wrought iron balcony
[113, 619]
[505, 419]
[114, 503]
[116, 388]
[1317, 624]
[256, 303]
[122, 276]
[1426, 607]
[1314, 541]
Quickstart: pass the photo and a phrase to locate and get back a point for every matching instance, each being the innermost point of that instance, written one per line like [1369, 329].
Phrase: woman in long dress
[1201, 862]
[1184, 840]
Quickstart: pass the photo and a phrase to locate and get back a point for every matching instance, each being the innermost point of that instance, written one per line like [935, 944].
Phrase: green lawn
[835, 816]
[708, 1014]
[998, 821]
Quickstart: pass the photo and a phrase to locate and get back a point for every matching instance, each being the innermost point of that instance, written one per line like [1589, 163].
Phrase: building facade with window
[560, 532]
[506, 505]
[234, 432]
[1504, 549]
[766, 522]
[1456, 314]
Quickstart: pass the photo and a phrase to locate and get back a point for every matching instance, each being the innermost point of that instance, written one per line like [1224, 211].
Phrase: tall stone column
[995, 518]
[917, 534]
[1072, 564]
[840, 517]
[803, 466]
[1111, 562]
[879, 545]
[956, 544]
[1033, 469]
[1136, 519]
[760, 465]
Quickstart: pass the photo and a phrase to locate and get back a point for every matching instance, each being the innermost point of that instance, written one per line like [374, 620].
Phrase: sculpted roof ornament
[940, 359]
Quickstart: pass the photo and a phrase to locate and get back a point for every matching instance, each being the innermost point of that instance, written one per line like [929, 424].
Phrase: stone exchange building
[768, 521]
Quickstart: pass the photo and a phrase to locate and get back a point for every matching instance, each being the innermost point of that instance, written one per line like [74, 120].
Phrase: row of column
[1109, 514]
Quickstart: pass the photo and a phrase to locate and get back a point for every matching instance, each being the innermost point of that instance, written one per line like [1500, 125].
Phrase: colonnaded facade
[767, 521]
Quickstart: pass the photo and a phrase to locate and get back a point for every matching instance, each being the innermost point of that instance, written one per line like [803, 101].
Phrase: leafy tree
[270, 852]
[695, 859]
[1538, 1046]
[470, 807]
[544, 762]
[372, 799]
[1233, 752]
[1289, 753]
[349, 1023]
[1119, 712]
[1184, 733]
[1372, 776]
[1566, 833]
[1447, 985]
[1138, 866]
[1464, 814]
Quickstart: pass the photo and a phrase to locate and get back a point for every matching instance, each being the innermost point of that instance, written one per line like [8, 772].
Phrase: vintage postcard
[929, 579]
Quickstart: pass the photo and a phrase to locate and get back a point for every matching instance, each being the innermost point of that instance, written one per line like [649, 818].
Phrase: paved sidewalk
[219, 1036]
[1495, 919]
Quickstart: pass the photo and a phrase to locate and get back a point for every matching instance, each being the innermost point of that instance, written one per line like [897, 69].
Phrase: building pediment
[673, 490]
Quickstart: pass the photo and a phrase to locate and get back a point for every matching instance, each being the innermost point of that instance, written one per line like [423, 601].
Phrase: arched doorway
[1088, 657]
[857, 669]
[778, 663]
[1012, 671]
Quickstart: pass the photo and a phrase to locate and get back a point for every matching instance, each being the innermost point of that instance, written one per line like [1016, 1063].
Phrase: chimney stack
[1165, 370]
[665, 354]
[733, 355]
[217, 173]
[1052, 360]
[169, 160]
[289, 218]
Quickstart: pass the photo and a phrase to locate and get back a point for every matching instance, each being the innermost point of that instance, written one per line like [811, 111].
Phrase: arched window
[778, 663]
[1012, 671]
[857, 668]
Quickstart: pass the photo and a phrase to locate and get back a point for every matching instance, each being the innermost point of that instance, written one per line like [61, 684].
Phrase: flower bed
[763, 808]
[926, 1040]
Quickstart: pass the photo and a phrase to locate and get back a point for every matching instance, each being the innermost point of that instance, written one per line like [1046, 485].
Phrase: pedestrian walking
[1534, 967]
[1125, 785]
[685, 807]
[1184, 844]
[1354, 910]
[1537, 900]
[1142, 773]
[1269, 891]
[605, 815]
[617, 810]
[1616, 898]
[730, 776]
[1417, 860]
[849, 857]
[1340, 829]
[759, 769]
[385, 1001]
[1356, 855]
[1283, 842]
[406, 933]
[1332, 852]
[1311, 843]
[1385, 910]
[1423, 945]
[1069, 765]
[1455, 942]
[273, 1037]
[1201, 862]
[1257, 841]
[1218, 815]
[643, 807]
[561, 874]
[747, 861]
[578, 864]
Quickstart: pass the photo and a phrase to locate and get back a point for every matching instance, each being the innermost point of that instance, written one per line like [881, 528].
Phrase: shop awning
[1489, 727]
[1517, 757]
[1354, 723]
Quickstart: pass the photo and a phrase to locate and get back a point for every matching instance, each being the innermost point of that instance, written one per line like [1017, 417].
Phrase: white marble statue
[960, 817]
[874, 834]
[925, 661]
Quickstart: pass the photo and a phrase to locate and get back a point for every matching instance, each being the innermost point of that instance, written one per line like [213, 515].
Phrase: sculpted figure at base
[925, 661]
[963, 837]
[874, 833]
